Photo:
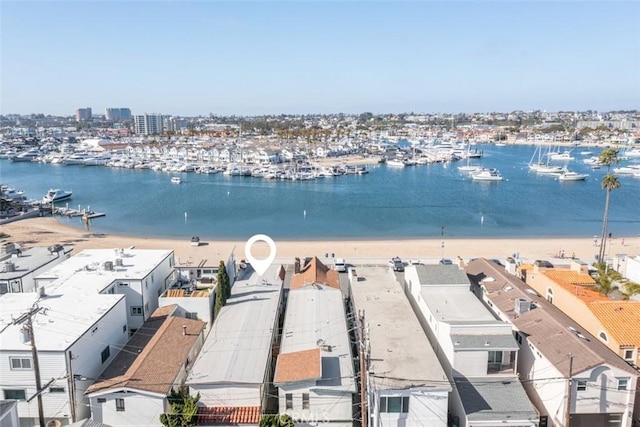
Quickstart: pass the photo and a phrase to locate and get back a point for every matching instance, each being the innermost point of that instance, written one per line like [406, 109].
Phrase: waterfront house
[19, 268]
[569, 374]
[314, 372]
[407, 385]
[75, 333]
[478, 351]
[142, 275]
[233, 372]
[135, 387]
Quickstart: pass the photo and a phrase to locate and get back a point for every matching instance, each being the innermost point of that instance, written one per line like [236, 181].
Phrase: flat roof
[440, 274]
[136, 264]
[30, 260]
[315, 318]
[401, 354]
[62, 320]
[495, 399]
[238, 347]
[456, 305]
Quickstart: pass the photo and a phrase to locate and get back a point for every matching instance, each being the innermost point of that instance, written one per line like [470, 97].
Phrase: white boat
[27, 156]
[395, 163]
[632, 152]
[55, 195]
[564, 156]
[567, 175]
[627, 170]
[487, 175]
[176, 180]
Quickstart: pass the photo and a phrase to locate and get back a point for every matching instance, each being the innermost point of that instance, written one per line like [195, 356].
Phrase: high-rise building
[148, 124]
[117, 114]
[83, 114]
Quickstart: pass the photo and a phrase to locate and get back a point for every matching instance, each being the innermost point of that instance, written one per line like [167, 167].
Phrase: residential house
[233, 372]
[135, 387]
[142, 275]
[314, 372]
[19, 268]
[197, 304]
[569, 374]
[9, 413]
[76, 334]
[407, 385]
[478, 351]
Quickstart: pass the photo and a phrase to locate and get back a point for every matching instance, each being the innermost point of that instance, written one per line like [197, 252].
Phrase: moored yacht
[55, 195]
[487, 175]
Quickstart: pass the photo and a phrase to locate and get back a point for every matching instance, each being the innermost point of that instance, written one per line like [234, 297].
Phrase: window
[4, 288]
[105, 354]
[191, 315]
[119, 405]
[146, 284]
[550, 295]
[56, 389]
[394, 404]
[582, 385]
[102, 400]
[136, 310]
[289, 400]
[305, 400]
[146, 308]
[495, 357]
[123, 284]
[623, 384]
[628, 354]
[12, 394]
[20, 363]
[124, 328]
[603, 336]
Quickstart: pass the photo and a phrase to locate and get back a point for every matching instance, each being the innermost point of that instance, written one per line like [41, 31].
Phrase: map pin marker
[260, 265]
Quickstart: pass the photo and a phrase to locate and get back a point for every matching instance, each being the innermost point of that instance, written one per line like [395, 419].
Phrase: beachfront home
[135, 387]
[407, 385]
[478, 352]
[616, 323]
[569, 374]
[142, 275]
[76, 335]
[192, 304]
[314, 271]
[233, 372]
[18, 268]
[314, 372]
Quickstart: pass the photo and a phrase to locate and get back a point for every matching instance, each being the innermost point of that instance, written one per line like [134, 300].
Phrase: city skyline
[196, 58]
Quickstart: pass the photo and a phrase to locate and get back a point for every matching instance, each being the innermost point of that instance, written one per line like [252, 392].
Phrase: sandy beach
[47, 231]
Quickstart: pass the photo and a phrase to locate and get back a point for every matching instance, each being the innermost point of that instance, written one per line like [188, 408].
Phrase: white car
[340, 265]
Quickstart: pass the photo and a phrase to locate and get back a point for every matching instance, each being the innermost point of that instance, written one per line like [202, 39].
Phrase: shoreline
[48, 231]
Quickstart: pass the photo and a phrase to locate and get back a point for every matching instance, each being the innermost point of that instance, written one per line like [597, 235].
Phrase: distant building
[117, 114]
[148, 124]
[83, 114]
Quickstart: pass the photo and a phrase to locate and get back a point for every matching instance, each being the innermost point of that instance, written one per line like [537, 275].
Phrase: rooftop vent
[108, 265]
[119, 262]
[522, 305]
[9, 267]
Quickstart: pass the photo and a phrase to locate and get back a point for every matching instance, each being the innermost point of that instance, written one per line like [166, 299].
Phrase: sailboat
[542, 168]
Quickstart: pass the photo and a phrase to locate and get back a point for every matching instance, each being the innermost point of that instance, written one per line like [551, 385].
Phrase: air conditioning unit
[9, 267]
[108, 265]
[119, 262]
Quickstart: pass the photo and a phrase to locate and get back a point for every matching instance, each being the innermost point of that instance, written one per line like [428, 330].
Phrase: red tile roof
[228, 415]
[298, 366]
[621, 319]
[316, 272]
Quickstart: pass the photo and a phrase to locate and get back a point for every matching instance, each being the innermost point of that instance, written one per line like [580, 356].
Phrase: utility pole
[364, 413]
[72, 386]
[567, 420]
[28, 328]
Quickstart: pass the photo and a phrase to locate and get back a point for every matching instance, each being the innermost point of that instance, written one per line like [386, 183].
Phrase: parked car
[396, 264]
[446, 261]
[340, 265]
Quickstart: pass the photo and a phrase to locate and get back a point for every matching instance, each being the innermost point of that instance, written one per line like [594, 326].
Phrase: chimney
[184, 330]
[42, 291]
[296, 266]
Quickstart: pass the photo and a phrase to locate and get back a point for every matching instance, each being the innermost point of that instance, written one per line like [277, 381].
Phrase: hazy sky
[262, 57]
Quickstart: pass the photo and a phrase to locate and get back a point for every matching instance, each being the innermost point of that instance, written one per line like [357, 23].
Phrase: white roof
[401, 355]
[62, 320]
[89, 267]
[238, 348]
[316, 317]
[452, 304]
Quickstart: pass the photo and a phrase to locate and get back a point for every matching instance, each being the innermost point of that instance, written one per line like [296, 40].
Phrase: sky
[301, 57]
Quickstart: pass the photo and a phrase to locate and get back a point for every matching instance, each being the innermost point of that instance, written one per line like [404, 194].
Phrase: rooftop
[569, 276]
[456, 305]
[297, 366]
[153, 357]
[316, 272]
[63, 318]
[552, 332]
[315, 318]
[499, 399]
[401, 354]
[440, 275]
[30, 260]
[228, 415]
[238, 347]
[621, 319]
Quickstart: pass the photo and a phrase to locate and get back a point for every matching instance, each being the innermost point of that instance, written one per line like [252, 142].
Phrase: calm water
[387, 203]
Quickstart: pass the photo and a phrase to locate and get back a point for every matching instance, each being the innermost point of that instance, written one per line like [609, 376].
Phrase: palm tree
[609, 182]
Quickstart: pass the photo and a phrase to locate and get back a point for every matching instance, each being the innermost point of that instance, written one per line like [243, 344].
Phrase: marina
[376, 201]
